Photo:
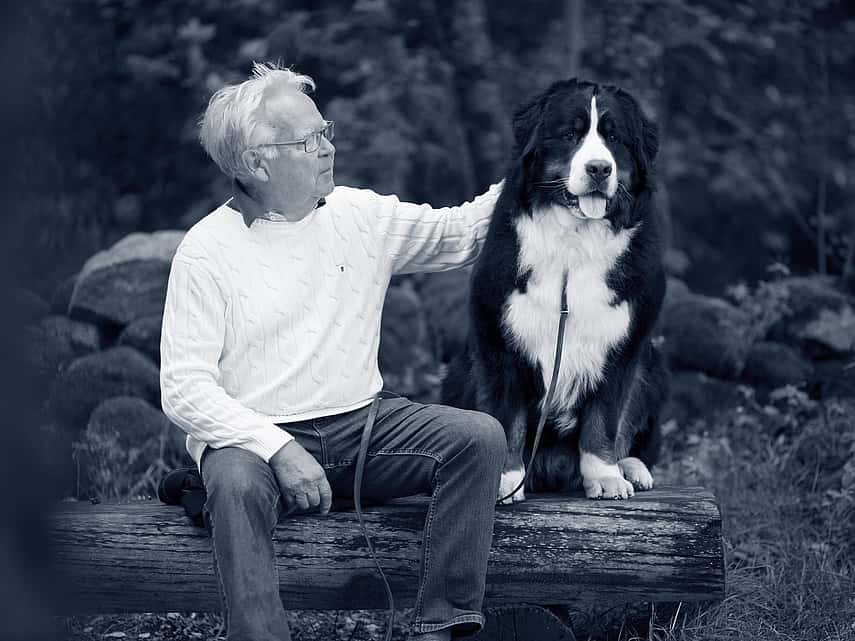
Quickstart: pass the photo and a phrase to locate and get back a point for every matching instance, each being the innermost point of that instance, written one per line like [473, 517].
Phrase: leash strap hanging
[559, 346]
[357, 501]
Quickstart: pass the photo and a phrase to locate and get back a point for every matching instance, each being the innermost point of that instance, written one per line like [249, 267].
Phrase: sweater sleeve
[419, 238]
[191, 342]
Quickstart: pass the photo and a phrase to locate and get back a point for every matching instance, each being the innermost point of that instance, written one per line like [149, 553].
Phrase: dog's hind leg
[514, 471]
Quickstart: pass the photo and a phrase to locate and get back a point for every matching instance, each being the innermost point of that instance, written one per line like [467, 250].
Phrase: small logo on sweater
[341, 268]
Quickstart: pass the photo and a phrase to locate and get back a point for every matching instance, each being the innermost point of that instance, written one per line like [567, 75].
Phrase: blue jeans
[454, 455]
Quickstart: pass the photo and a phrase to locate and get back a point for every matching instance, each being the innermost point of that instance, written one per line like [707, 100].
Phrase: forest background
[756, 107]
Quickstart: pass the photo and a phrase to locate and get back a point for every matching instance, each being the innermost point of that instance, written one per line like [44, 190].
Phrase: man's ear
[254, 164]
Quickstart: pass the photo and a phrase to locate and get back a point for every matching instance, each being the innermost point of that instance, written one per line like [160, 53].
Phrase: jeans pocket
[305, 433]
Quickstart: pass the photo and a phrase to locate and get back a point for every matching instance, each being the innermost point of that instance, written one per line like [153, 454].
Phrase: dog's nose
[598, 169]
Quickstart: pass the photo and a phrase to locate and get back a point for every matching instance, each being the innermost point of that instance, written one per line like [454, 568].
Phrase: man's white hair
[230, 124]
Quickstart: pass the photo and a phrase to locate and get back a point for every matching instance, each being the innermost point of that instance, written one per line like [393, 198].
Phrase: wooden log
[662, 545]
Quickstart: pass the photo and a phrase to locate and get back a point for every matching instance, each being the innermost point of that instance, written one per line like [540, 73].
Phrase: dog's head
[585, 147]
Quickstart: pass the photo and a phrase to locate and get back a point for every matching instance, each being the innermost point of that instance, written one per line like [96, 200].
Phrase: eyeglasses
[312, 142]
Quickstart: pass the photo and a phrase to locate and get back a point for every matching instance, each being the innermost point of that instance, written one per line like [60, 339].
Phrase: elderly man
[269, 359]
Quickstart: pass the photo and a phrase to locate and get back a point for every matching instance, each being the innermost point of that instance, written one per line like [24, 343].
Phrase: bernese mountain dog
[576, 208]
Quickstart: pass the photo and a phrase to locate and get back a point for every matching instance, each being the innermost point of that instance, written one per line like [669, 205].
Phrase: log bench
[571, 554]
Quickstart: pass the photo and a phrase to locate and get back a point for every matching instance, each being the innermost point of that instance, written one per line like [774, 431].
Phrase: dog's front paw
[635, 471]
[607, 487]
[510, 480]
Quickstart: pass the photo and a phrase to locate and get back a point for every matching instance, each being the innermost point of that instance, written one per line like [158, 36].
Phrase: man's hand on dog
[301, 479]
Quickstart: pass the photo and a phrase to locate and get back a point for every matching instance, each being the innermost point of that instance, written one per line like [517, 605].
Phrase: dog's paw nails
[636, 472]
[608, 487]
[510, 480]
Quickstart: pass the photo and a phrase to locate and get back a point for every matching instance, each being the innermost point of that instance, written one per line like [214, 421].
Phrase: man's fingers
[314, 497]
[326, 496]
[302, 501]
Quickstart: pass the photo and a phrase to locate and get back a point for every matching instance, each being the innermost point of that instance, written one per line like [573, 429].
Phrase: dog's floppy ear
[649, 138]
[527, 126]
[649, 131]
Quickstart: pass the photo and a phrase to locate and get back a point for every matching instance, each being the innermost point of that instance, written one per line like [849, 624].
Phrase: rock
[694, 395]
[144, 335]
[120, 294]
[706, 334]
[831, 332]
[89, 380]
[124, 437]
[61, 296]
[675, 290]
[55, 341]
[28, 306]
[821, 319]
[134, 422]
[126, 282]
[834, 378]
[159, 245]
[46, 354]
[773, 365]
[446, 299]
[84, 338]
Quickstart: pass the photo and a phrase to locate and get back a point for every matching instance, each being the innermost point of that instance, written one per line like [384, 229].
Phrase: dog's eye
[612, 138]
[570, 135]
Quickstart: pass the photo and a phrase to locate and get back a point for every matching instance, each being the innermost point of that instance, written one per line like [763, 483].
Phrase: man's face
[296, 175]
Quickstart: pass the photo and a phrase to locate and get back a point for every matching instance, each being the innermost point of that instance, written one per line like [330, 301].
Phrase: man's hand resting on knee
[301, 479]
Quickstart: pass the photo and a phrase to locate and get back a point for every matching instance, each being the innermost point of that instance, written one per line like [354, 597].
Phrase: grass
[784, 471]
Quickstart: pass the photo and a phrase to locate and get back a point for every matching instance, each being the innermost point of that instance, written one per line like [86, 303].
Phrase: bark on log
[662, 545]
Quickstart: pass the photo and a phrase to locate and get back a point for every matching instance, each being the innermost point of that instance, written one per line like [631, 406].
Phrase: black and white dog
[576, 204]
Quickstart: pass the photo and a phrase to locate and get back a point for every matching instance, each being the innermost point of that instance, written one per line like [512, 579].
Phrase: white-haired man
[269, 359]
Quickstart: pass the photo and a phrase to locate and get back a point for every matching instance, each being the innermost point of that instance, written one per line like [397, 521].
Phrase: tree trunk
[662, 545]
[471, 54]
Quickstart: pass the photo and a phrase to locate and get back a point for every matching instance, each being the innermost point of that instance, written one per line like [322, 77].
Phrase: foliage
[754, 99]
[782, 469]
[763, 306]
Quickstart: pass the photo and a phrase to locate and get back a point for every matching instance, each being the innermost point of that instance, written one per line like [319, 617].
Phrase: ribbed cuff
[267, 442]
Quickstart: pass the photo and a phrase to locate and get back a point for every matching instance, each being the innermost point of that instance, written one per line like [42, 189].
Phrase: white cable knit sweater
[280, 321]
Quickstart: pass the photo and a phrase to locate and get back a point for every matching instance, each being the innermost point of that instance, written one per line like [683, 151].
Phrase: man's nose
[327, 148]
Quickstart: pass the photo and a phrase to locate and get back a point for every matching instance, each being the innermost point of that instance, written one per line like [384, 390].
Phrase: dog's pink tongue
[593, 205]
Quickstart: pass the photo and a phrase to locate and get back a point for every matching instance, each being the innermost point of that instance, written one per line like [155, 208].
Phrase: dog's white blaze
[592, 466]
[552, 241]
[593, 148]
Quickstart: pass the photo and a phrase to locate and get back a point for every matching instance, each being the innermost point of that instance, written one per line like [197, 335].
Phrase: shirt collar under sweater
[250, 209]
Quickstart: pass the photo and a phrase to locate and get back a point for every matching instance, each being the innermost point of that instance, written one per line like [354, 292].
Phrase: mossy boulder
[127, 281]
[92, 379]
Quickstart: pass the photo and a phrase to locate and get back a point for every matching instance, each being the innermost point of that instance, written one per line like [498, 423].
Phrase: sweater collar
[250, 209]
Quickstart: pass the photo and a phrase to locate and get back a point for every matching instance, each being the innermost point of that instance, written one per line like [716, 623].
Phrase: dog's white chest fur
[552, 241]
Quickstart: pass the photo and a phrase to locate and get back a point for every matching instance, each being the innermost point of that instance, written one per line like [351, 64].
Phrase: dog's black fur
[493, 374]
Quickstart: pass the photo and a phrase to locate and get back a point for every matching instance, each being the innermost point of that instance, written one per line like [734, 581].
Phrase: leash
[357, 501]
[559, 346]
[366, 440]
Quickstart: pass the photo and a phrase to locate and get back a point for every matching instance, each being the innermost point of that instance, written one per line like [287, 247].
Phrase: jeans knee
[487, 437]
[238, 479]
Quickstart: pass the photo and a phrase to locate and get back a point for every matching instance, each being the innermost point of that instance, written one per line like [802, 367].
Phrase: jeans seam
[324, 458]
[223, 598]
[420, 452]
[460, 618]
[341, 463]
[426, 553]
